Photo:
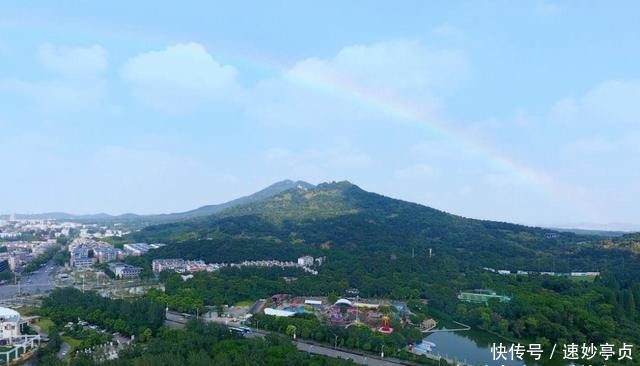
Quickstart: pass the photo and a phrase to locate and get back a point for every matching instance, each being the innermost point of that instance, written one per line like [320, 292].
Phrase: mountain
[393, 249]
[594, 232]
[261, 195]
[342, 216]
[325, 200]
[265, 193]
[59, 216]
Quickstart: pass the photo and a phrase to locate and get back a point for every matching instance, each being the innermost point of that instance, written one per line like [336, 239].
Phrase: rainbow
[399, 108]
[403, 109]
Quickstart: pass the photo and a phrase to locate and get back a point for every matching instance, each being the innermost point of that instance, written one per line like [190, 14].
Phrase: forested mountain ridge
[343, 216]
[394, 249]
[630, 242]
[263, 194]
[150, 219]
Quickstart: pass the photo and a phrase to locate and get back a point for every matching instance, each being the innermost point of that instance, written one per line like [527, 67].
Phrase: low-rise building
[125, 271]
[306, 260]
[171, 264]
[481, 296]
[279, 313]
[4, 265]
[83, 263]
[82, 256]
[181, 265]
[137, 249]
[105, 255]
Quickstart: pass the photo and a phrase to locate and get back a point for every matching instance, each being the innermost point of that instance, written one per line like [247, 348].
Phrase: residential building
[306, 261]
[125, 271]
[137, 249]
[172, 264]
[105, 255]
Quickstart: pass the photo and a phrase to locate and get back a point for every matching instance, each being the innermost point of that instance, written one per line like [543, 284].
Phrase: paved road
[330, 352]
[64, 349]
[34, 283]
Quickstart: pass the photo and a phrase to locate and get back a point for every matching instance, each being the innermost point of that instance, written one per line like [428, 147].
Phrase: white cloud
[395, 68]
[78, 80]
[613, 103]
[386, 81]
[584, 149]
[74, 62]
[180, 77]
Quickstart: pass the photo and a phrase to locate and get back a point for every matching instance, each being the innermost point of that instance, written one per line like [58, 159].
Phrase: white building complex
[12, 343]
[9, 325]
[306, 261]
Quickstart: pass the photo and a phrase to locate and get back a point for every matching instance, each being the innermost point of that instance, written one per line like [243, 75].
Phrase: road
[34, 283]
[64, 349]
[330, 352]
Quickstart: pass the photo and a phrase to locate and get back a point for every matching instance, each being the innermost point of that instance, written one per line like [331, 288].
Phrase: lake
[474, 347]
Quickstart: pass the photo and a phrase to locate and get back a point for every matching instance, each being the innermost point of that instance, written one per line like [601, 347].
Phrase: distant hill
[259, 196]
[629, 242]
[265, 193]
[601, 233]
[59, 216]
[342, 216]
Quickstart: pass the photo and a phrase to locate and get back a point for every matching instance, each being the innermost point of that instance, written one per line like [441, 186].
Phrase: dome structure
[9, 315]
[343, 302]
[9, 323]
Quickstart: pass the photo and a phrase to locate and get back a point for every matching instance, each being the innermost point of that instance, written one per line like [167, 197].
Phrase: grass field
[73, 342]
[245, 303]
[45, 324]
[583, 279]
[27, 310]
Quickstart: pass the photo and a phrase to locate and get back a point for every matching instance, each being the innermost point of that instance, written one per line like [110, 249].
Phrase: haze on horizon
[523, 112]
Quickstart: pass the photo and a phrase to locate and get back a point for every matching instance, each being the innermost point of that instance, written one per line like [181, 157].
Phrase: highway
[34, 283]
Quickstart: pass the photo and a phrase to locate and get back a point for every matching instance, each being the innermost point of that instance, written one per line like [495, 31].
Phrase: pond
[474, 347]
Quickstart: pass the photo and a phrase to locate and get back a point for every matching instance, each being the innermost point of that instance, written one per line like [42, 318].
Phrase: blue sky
[516, 111]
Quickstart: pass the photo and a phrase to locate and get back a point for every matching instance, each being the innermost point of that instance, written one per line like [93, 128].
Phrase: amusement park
[375, 314]
[345, 320]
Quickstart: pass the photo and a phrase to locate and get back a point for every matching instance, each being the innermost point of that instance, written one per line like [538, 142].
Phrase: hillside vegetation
[381, 246]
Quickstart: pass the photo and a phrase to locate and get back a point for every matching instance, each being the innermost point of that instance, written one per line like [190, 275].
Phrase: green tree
[291, 330]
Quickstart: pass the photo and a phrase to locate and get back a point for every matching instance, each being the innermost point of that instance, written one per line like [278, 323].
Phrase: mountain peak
[341, 185]
[289, 183]
[303, 200]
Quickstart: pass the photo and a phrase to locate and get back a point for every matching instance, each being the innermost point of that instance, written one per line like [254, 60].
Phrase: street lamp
[335, 342]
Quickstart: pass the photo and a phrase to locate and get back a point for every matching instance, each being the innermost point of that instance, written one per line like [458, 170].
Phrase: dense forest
[342, 216]
[381, 247]
[129, 317]
[198, 344]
